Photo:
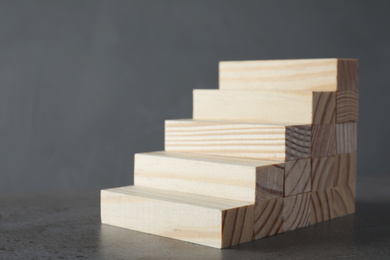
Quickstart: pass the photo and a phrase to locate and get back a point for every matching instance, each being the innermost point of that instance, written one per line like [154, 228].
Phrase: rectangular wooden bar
[296, 211]
[323, 173]
[268, 218]
[245, 140]
[265, 106]
[321, 206]
[346, 137]
[203, 220]
[323, 140]
[347, 106]
[297, 75]
[208, 175]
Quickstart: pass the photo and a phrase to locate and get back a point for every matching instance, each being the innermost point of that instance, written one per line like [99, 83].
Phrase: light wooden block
[345, 169]
[265, 106]
[346, 138]
[296, 211]
[323, 140]
[344, 200]
[297, 177]
[203, 220]
[321, 206]
[347, 106]
[303, 74]
[268, 218]
[323, 173]
[245, 140]
[222, 177]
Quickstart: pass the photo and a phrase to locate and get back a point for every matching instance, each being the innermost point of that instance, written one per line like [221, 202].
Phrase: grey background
[86, 84]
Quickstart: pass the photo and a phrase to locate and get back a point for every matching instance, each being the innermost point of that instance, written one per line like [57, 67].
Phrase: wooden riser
[245, 140]
[222, 177]
[297, 75]
[265, 106]
[198, 219]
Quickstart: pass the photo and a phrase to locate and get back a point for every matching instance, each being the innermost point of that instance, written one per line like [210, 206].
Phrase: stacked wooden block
[273, 150]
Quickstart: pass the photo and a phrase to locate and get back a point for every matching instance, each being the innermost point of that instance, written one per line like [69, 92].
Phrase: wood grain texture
[217, 176]
[296, 211]
[345, 169]
[323, 140]
[344, 200]
[323, 173]
[297, 177]
[348, 74]
[237, 225]
[346, 134]
[264, 106]
[321, 206]
[324, 107]
[347, 106]
[245, 140]
[268, 218]
[303, 74]
[270, 181]
[198, 219]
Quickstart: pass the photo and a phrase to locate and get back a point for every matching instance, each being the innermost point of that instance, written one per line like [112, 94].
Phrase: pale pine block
[264, 106]
[345, 169]
[347, 106]
[323, 173]
[297, 75]
[346, 137]
[202, 220]
[297, 177]
[296, 211]
[244, 140]
[321, 206]
[323, 140]
[344, 200]
[268, 218]
[210, 175]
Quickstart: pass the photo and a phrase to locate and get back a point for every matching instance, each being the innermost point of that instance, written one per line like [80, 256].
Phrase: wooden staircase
[273, 150]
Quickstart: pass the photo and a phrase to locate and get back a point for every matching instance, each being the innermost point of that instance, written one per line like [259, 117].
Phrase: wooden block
[321, 206]
[347, 74]
[324, 107]
[346, 138]
[297, 177]
[265, 106]
[304, 74]
[268, 218]
[323, 173]
[344, 200]
[323, 140]
[245, 140]
[198, 219]
[347, 106]
[296, 211]
[208, 175]
[345, 169]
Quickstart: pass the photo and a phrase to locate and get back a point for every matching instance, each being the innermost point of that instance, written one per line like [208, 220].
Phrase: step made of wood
[210, 175]
[265, 106]
[199, 219]
[297, 75]
[244, 140]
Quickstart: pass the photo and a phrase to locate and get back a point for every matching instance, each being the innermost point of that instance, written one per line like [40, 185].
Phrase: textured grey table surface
[66, 225]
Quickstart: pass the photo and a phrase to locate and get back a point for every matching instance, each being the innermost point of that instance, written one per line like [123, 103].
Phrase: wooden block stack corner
[272, 150]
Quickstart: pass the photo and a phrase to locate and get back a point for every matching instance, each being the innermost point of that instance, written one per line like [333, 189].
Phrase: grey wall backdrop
[86, 84]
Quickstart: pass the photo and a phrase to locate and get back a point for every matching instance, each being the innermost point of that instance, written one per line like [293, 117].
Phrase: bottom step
[194, 218]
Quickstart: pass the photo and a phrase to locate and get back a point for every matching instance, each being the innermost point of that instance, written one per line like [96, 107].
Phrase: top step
[292, 75]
